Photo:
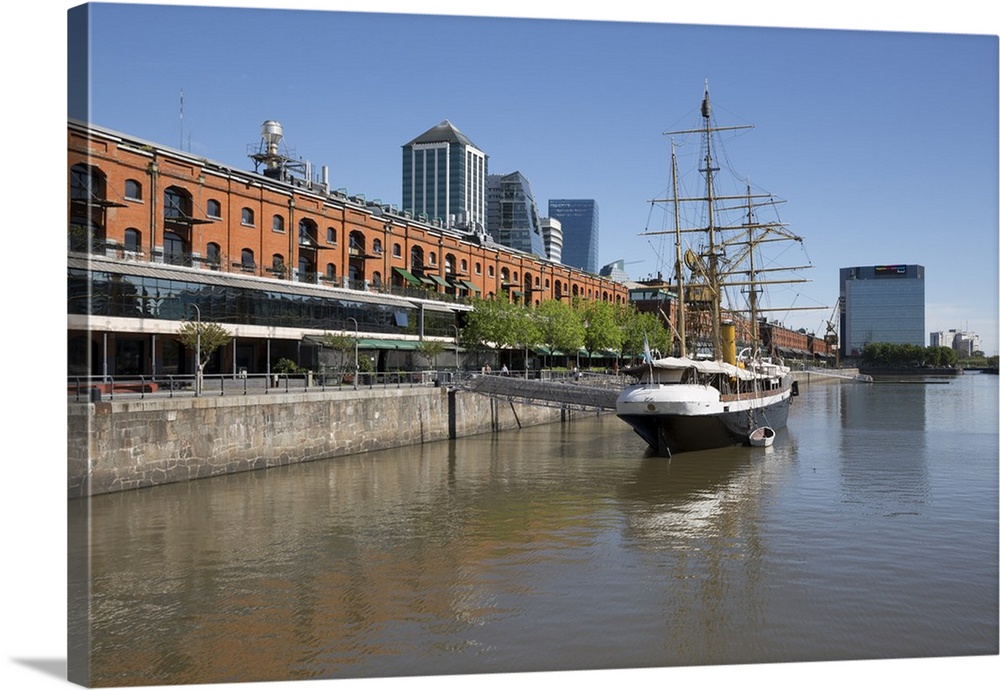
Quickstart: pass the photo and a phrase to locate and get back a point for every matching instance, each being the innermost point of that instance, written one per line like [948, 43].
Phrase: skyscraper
[881, 304]
[444, 177]
[512, 216]
[580, 220]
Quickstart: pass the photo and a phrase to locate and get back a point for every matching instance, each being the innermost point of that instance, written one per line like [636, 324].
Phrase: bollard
[95, 395]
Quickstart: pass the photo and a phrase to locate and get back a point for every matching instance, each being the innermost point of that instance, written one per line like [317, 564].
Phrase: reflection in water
[555, 547]
[883, 444]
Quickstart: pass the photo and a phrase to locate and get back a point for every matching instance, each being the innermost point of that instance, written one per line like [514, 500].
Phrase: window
[133, 240]
[464, 267]
[377, 247]
[246, 260]
[432, 259]
[377, 279]
[331, 236]
[397, 251]
[278, 265]
[173, 249]
[214, 208]
[175, 203]
[133, 190]
[479, 269]
[247, 216]
[213, 254]
[491, 272]
[85, 183]
[278, 223]
[331, 272]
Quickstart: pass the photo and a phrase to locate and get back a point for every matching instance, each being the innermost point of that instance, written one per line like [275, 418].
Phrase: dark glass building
[881, 304]
[512, 215]
[581, 220]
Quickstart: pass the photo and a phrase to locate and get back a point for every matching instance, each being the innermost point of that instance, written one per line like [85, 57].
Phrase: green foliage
[430, 349]
[287, 366]
[343, 346]
[560, 326]
[213, 336]
[897, 355]
[602, 330]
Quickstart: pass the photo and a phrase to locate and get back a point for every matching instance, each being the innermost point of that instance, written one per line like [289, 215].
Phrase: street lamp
[351, 318]
[197, 353]
[458, 362]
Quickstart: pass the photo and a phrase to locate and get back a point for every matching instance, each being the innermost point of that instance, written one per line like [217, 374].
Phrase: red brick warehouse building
[275, 256]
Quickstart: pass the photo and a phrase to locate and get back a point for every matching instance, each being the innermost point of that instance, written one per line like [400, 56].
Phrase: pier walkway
[587, 393]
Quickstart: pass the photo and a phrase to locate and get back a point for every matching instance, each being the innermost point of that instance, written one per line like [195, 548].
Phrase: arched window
[479, 269]
[331, 235]
[377, 279]
[449, 263]
[213, 254]
[357, 243]
[307, 232]
[133, 241]
[433, 259]
[246, 260]
[464, 266]
[176, 203]
[331, 272]
[214, 208]
[377, 246]
[397, 251]
[86, 183]
[491, 272]
[278, 223]
[133, 190]
[416, 258]
[174, 250]
[278, 265]
[246, 217]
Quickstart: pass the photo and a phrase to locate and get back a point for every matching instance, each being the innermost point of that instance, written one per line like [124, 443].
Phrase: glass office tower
[512, 215]
[444, 177]
[580, 220]
[881, 304]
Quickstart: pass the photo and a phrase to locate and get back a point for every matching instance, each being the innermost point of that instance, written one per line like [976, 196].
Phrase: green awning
[439, 280]
[381, 344]
[409, 277]
[470, 285]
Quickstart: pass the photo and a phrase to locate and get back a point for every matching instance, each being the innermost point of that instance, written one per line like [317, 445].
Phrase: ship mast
[713, 255]
[678, 266]
[754, 335]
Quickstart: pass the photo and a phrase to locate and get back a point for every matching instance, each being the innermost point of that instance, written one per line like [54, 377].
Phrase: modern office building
[552, 234]
[444, 178]
[512, 215]
[881, 304]
[581, 222]
[963, 342]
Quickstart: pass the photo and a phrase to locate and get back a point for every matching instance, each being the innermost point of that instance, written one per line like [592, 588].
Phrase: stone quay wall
[130, 444]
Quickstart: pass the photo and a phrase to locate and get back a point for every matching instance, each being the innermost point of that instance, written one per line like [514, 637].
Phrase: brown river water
[868, 531]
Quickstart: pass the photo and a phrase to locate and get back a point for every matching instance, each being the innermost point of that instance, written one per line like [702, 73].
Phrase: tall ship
[717, 387]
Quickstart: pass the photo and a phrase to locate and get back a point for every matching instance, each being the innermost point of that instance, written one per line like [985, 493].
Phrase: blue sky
[883, 144]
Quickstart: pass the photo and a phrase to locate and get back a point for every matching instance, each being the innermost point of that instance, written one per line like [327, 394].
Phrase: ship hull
[670, 427]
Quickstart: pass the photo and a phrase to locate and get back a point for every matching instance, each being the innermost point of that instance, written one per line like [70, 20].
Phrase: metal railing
[123, 387]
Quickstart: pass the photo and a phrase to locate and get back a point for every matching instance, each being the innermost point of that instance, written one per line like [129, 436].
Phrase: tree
[560, 326]
[205, 339]
[430, 349]
[343, 347]
[601, 327]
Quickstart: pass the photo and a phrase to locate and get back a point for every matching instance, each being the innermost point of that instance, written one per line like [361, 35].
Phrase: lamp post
[351, 318]
[458, 362]
[197, 353]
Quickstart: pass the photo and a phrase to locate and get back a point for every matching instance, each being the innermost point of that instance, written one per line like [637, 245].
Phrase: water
[869, 530]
